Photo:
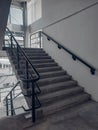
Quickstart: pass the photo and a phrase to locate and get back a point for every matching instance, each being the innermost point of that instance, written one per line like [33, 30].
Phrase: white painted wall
[54, 10]
[78, 33]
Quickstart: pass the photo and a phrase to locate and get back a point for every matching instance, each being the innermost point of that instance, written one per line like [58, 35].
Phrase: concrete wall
[78, 33]
[55, 10]
[34, 11]
[4, 10]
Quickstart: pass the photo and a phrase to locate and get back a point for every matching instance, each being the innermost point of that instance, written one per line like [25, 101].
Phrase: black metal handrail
[74, 56]
[24, 54]
[29, 76]
[9, 100]
[13, 88]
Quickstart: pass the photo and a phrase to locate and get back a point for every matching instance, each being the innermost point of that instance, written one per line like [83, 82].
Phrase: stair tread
[58, 86]
[38, 54]
[36, 60]
[51, 63]
[49, 74]
[42, 61]
[54, 78]
[59, 90]
[54, 67]
[37, 57]
[46, 68]
[60, 93]
[65, 83]
[41, 65]
[65, 103]
[53, 74]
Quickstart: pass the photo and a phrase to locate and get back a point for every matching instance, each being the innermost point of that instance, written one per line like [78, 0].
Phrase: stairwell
[59, 91]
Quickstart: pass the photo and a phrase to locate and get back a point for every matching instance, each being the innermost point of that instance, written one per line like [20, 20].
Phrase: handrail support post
[18, 57]
[33, 102]
[40, 38]
[11, 39]
[27, 74]
[11, 103]
[7, 107]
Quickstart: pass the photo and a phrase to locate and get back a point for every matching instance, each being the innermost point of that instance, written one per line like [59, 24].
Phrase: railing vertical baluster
[7, 106]
[11, 39]
[40, 39]
[27, 74]
[30, 41]
[18, 57]
[33, 102]
[11, 101]
[4, 43]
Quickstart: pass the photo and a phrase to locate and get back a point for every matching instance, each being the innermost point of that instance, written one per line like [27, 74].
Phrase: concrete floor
[83, 117]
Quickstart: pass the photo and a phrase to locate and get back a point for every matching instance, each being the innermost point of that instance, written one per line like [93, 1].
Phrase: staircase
[59, 91]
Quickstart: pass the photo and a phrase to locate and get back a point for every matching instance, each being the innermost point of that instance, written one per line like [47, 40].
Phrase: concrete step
[48, 81]
[33, 49]
[46, 99]
[42, 61]
[49, 69]
[53, 74]
[48, 74]
[36, 54]
[42, 65]
[54, 87]
[58, 90]
[35, 57]
[40, 70]
[63, 104]
[58, 86]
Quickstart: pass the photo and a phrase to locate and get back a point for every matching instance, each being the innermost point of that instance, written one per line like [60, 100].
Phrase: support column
[4, 11]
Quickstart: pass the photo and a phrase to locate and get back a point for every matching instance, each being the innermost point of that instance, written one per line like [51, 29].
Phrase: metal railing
[8, 100]
[36, 40]
[31, 74]
[7, 40]
[74, 56]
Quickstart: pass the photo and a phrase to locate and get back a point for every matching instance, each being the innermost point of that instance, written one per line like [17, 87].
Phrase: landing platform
[83, 117]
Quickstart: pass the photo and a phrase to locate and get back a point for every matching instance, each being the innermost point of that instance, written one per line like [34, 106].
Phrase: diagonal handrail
[24, 54]
[13, 88]
[29, 77]
[7, 99]
[74, 56]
